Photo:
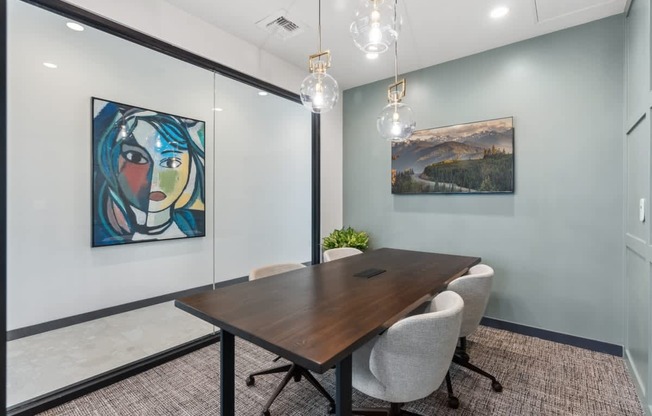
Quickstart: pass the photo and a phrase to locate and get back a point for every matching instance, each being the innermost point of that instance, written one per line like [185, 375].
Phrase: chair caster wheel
[453, 402]
[266, 413]
[250, 381]
[331, 409]
[496, 386]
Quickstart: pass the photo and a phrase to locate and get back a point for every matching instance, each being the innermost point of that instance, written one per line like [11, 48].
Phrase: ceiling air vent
[280, 25]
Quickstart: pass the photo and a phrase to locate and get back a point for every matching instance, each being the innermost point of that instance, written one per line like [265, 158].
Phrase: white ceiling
[433, 31]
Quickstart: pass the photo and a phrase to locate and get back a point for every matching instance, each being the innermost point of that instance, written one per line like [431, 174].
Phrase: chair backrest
[273, 269]
[412, 357]
[338, 253]
[475, 288]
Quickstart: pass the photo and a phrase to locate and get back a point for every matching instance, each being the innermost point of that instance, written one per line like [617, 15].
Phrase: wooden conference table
[317, 316]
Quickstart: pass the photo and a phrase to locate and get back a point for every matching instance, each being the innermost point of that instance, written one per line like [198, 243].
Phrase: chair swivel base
[293, 372]
[462, 358]
[453, 402]
[395, 408]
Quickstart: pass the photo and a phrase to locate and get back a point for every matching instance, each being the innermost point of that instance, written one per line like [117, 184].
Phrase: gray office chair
[474, 288]
[293, 371]
[338, 253]
[410, 360]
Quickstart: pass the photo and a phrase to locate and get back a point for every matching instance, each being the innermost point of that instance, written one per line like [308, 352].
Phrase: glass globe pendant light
[396, 121]
[375, 26]
[319, 91]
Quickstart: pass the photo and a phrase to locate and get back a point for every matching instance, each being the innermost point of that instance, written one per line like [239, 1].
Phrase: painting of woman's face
[152, 171]
[148, 175]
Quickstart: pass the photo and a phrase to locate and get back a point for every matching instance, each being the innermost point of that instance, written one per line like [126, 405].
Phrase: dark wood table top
[318, 315]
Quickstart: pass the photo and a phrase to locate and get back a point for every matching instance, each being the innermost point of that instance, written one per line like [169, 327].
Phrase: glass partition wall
[75, 311]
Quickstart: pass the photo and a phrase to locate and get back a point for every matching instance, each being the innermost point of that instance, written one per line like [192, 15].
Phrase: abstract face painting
[148, 175]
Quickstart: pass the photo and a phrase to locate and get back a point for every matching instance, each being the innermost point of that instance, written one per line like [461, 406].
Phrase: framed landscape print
[148, 175]
[463, 159]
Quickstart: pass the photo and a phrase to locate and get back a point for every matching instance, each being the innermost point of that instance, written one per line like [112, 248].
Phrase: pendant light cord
[396, 62]
[319, 25]
[395, 42]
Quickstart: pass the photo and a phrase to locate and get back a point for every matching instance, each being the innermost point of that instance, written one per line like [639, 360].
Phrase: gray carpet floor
[539, 378]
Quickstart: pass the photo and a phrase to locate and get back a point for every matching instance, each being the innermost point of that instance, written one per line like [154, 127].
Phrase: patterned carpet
[539, 378]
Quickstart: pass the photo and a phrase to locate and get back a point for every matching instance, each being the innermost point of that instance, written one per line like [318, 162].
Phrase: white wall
[52, 270]
[164, 21]
[258, 156]
[263, 187]
[332, 205]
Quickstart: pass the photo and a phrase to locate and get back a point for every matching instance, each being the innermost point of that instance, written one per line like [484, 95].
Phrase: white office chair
[292, 370]
[410, 360]
[338, 253]
[273, 269]
[474, 288]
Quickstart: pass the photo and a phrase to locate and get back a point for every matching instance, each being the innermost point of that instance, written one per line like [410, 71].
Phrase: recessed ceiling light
[262, 93]
[372, 55]
[49, 65]
[499, 12]
[218, 109]
[75, 26]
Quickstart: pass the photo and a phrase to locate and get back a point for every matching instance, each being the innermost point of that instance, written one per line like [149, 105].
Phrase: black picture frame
[145, 187]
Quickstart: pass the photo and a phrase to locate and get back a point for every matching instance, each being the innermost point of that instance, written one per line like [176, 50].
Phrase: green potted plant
[346, 237]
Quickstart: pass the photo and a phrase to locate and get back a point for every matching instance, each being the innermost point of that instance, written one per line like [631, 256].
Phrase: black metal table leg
[227, 373]
[343, 387]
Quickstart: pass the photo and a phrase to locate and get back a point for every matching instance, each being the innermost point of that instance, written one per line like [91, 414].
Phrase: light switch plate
[641, 210]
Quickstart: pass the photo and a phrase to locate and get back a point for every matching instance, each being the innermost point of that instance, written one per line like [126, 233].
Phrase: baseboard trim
[73, 391]
[113, 310]
[589, 344]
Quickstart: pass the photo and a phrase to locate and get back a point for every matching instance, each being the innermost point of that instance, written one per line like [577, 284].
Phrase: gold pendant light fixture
[396, 121]
[319, 91]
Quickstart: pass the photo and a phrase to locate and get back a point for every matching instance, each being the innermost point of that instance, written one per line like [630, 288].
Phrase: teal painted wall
[638, 247]
[556, 243]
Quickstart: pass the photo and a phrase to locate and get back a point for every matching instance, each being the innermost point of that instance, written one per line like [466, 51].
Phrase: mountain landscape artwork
[463, 159]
